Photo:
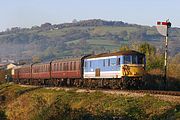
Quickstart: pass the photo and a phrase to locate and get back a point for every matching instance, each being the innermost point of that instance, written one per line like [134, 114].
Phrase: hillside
[71, 39]
[19, 102]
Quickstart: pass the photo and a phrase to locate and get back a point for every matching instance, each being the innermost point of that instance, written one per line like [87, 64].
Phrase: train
[123, 69]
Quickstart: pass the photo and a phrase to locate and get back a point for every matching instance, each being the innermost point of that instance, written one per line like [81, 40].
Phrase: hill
[83, 37]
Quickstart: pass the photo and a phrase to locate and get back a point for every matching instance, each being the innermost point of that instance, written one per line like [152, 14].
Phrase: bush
[3, 115]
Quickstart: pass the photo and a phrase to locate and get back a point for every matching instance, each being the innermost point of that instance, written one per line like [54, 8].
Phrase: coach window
[64, 66]
[67, 66]
[54, 67]
[74, 65]
[45, 68]
[79, 65]
[57, 65]
[70, 65]
[118, 61]
[39, 68]
[60, 66]
[42, 68]
[57, 69]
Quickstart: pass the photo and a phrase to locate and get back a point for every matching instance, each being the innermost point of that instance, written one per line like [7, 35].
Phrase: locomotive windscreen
[133, 59]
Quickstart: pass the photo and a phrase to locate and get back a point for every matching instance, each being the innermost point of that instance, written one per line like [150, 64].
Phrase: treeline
[75, 23]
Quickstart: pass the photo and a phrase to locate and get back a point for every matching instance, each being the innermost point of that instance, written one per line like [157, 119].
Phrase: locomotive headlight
[135, 73]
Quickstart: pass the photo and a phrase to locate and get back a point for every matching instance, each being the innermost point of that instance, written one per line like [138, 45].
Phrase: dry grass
[46, 104]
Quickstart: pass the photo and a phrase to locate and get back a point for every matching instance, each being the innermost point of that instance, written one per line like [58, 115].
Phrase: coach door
[97, 72]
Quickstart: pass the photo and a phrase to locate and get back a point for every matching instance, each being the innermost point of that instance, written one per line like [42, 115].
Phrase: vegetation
[155, 67]
[71, 39]
[31, 103]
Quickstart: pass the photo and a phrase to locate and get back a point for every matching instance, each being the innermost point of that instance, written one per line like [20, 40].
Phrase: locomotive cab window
[127, 59]
[134, 59]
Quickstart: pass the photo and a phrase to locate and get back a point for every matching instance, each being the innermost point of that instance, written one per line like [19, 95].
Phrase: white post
[165, 61]
[165, 58]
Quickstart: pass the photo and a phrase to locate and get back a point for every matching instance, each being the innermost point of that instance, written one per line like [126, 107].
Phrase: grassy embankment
[33, 103]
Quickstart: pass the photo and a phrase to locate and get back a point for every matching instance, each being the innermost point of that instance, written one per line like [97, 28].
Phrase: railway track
[85, 89]
[160, 92]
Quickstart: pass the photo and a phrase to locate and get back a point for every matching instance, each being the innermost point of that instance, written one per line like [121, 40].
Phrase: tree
[74, 21]
[124, 48]
[36, 59]
[153, 60]
[46, 26]
[124, 34]
[147, 49]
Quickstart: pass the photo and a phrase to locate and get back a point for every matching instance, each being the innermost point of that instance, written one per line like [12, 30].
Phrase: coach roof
[71, 58]
[130, 52]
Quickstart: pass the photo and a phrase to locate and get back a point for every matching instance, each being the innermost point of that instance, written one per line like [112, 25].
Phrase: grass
[28, 103]
[53, 33]
[102, 42]
[115, 30]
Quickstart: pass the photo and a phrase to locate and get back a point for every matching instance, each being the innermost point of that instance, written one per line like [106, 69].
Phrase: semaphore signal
[168, 24]
[163, 28]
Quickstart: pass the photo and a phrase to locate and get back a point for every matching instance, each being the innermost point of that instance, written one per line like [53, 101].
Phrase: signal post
[163, 29]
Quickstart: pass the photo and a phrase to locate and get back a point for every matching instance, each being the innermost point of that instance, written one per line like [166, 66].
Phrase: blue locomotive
[115, 65]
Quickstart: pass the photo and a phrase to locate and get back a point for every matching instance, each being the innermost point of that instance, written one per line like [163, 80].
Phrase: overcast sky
[27, 13]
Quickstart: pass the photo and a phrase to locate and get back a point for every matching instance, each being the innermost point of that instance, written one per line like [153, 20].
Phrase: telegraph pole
[163, 29]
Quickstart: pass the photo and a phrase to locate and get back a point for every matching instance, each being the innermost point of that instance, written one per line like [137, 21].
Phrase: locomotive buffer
[163, 28]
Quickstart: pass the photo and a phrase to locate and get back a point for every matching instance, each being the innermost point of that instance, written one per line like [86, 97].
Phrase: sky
[28, 13]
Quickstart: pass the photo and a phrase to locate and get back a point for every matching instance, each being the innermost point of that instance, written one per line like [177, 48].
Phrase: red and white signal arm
[162, 27]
